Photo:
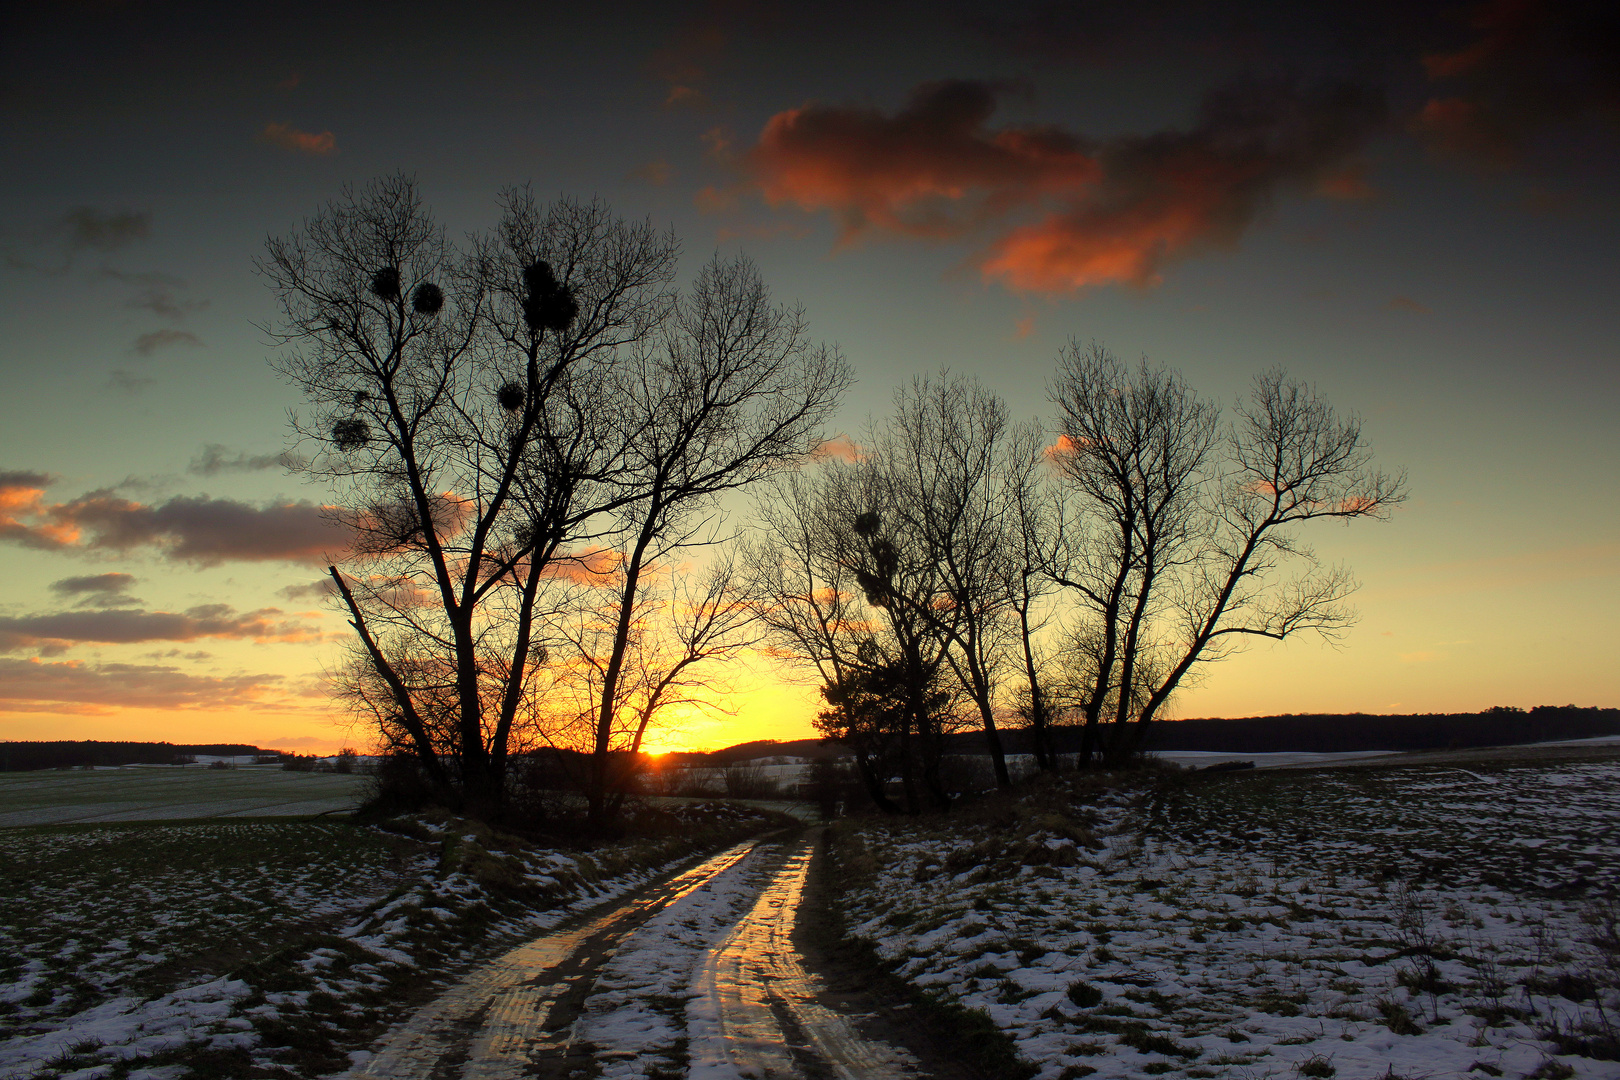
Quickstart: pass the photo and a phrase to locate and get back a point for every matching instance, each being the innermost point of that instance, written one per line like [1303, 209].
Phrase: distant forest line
[1321, 733]
[28, 756]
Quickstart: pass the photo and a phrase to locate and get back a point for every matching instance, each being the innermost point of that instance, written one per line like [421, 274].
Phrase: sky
[1411, 206]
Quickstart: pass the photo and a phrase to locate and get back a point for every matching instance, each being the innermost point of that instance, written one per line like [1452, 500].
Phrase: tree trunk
[874, 784]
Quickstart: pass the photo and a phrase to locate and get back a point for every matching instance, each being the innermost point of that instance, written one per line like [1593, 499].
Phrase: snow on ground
[101, 923]
[636, 1017]
[106, 927]
[162, 792]
[1417, 922]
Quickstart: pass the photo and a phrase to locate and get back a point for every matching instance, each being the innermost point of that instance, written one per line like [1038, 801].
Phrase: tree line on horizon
[529, 435]
[1322, 732]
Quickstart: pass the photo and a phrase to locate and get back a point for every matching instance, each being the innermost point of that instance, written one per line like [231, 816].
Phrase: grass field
[165, 793]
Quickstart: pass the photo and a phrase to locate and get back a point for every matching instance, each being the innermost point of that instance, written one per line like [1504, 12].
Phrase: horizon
[712, 749]
[1418, 218]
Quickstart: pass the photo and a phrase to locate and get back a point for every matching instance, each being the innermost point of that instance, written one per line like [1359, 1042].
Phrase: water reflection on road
[493, 1020]
[755, 1012]
[752, 1010]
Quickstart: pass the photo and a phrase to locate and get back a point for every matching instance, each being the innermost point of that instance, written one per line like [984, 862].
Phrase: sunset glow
[1432, 247]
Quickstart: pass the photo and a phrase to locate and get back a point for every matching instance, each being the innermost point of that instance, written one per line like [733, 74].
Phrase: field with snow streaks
[96, 915]
[1412, 922]
[273, 949]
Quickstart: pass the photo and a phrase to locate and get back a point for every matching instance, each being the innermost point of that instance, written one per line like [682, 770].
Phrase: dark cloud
[207, 531]
[216, 459]
[24, 479]
[1114, 211]
[97, 588]
[319, 589]
[147, 344]
[150, 278]
[1526, 66]
[54, 247]
[56, 631]
[196, 529]
[1089, 33]
[69, 686]
[86, 227]
[303, 142]
[129, 382]
[161, 300]
[198, 655]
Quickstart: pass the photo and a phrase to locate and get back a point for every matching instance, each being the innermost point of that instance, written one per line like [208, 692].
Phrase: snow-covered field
[1413, 922]
[168, 793]
[268, 948]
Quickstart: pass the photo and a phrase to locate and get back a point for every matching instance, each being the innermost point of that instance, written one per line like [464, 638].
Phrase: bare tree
[1180, 535]
[681, 626]
[731, 392]
[488, 416]
[1134, 448]
[956, 468]
[1029, 554]
[828, 577]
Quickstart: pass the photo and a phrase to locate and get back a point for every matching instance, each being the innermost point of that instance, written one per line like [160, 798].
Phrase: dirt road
[697, 975]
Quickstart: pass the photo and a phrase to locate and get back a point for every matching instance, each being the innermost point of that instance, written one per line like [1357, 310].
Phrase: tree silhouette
[1179, 532]
[489, 415]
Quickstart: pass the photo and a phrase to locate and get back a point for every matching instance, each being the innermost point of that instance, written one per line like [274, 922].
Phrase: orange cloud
[386, 528]
[290, 138]
[23, 513]
[1404, 303]
[839, 447]
[713, 200]
[1062, 448]
[1114, 211]
[1024, 327]
[656, 172]
[1068, 252]
[72, 687]
[685, 63]
[1349, 183]
[929, 170]
[589, 567]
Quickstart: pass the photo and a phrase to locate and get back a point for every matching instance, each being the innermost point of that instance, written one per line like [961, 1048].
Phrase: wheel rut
[487, 1026]
[758, 1005]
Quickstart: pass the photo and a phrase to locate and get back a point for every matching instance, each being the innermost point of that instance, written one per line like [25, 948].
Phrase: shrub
[1084, 994]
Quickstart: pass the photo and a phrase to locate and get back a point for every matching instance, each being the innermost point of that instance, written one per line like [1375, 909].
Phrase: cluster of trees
[24, 756]
[529, 435]
[962, 564]
[526, 433]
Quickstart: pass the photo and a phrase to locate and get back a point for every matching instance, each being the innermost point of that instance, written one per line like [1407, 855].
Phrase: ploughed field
[1408, 922]
[238, 947]
[163, 793]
